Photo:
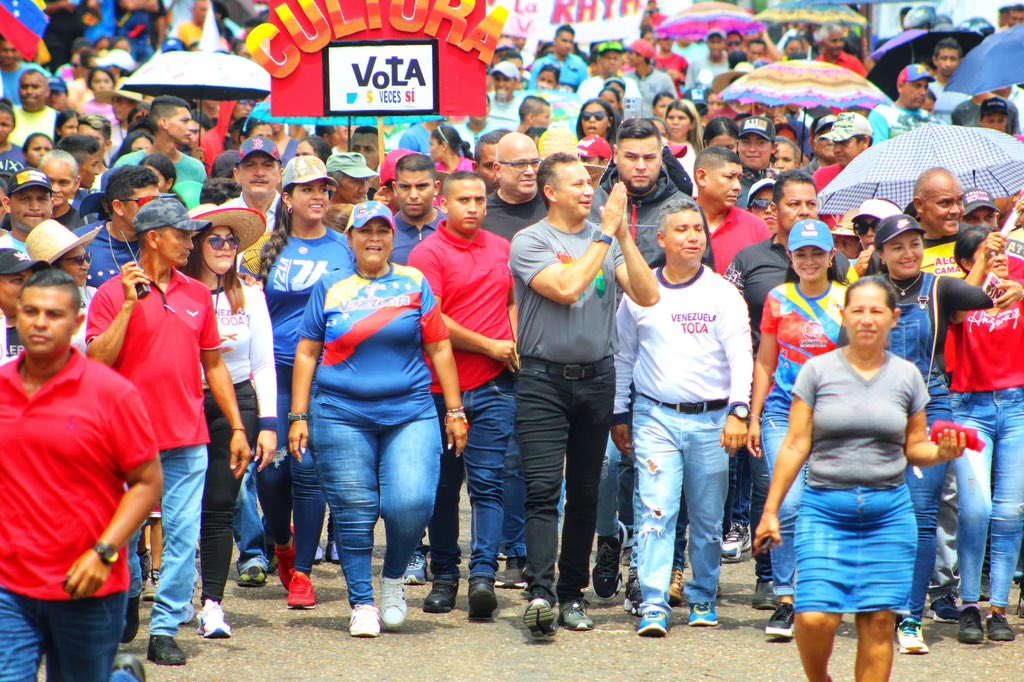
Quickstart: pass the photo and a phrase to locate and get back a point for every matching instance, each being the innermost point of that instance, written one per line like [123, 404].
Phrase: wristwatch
[740, 411]
[108, 554]
[298, 417]
[602, 237]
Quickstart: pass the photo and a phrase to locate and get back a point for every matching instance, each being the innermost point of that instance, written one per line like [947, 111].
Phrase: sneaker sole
[364, 635]
[414, 581]
[510, 585]
[392, 623]
[778, 634]
[216, 634]
[540, 620]
[970, 639]
[482, 605]
[1009, 637]
[937, 619]
[764, 604]
[582, 627]
[914, 651]
[703, 623]
[653, 630]
[302, 607]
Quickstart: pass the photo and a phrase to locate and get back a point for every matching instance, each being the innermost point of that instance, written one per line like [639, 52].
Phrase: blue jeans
[513, 493]
[678, 452]
[369, 472]
[78, 637]
[758, 496]
[608, 492]
[290, 487]
[740, 476]
[184, 476]
[491, 410]
[773, 432]
[999, 418]
[249, 535]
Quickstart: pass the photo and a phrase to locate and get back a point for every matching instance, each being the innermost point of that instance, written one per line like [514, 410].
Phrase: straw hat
[107, 96]
[49, 241]
[557, 140]
[247, 224]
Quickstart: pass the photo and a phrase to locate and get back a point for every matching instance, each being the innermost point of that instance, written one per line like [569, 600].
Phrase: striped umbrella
[799, 12]
[978, 157]
[806, 84]
[695, 23]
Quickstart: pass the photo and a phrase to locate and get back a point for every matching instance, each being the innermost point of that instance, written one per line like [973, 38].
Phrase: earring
[289, 209]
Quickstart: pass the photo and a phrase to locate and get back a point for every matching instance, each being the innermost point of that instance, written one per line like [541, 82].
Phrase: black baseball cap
[758, 125]
[13, 261]
[976, 198]
[994, 105]
[894, 226]
[28, 178]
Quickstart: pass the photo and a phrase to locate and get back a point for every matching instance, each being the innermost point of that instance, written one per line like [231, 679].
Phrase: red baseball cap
[644, 49]
[594, 146]
[387, 169]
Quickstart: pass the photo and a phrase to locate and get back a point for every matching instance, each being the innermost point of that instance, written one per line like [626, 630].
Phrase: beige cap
[49, 241]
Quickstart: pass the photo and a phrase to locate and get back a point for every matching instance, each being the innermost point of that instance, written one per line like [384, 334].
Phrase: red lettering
[563, 13]
[632, 8]
[587, 10]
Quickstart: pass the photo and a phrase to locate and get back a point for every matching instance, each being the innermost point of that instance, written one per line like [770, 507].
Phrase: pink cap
[594, 146]
[387, 169]
[643, 48]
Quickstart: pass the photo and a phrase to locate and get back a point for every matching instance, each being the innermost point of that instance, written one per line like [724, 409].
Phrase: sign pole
[380, 142]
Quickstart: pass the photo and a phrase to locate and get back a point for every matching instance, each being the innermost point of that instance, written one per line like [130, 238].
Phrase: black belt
[691, 408]
[571, 372]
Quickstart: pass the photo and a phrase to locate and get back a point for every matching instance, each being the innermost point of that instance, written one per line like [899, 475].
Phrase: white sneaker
[392, 601]
[910, 636]
[211, 621]
[364, 621]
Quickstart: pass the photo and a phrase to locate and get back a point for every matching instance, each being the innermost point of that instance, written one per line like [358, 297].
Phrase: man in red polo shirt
[70, 446]
[831, 38]
[469, 274]
[718, 174]
[159, 341]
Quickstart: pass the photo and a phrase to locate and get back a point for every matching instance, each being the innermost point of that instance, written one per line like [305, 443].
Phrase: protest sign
[593, 20]
[377, 57]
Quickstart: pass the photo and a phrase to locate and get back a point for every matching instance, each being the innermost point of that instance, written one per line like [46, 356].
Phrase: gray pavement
[272, 643]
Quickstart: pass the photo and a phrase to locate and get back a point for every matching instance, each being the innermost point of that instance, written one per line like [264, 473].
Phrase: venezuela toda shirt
[373, 367]
[66, 452]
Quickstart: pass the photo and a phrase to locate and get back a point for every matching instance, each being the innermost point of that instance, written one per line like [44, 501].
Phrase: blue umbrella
[997, 63]
[978, 157]
[261, 112]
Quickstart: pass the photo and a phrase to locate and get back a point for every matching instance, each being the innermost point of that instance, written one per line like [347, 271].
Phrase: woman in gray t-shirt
[857, 420]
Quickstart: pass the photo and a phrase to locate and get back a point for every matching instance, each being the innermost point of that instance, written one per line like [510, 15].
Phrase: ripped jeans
[677, 453]
[999, 418]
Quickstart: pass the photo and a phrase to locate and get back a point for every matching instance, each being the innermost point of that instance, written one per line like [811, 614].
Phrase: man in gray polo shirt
[567, 273]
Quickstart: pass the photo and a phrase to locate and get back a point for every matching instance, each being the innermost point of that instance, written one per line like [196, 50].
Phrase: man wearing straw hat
[158, 327]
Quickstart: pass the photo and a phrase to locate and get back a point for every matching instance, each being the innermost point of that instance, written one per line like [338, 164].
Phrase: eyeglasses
[521, 165]
[759, 204]
[593, 115]
[80, 261]
[734, 43]
[142, 201]
[218, 243]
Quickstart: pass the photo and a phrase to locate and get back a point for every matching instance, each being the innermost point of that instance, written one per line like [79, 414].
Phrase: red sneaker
[300, 593]
[285, 564]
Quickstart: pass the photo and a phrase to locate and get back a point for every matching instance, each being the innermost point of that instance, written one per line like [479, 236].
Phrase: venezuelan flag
[23, 23]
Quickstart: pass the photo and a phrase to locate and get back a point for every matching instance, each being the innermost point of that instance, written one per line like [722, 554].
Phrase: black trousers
[563, 430]
[220, 491]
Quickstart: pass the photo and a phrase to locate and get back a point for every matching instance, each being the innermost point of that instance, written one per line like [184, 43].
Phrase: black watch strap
[298, 417]
[107, 552]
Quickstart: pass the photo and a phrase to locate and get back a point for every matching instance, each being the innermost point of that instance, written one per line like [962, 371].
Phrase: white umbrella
[204, 76]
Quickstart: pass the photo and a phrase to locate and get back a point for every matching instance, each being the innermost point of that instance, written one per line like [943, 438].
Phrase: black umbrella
[912, 47]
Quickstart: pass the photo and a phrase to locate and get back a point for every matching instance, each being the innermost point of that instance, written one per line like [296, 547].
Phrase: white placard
[381, 78]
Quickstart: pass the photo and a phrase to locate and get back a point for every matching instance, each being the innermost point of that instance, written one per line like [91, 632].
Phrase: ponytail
[278, 240]
[448, 136]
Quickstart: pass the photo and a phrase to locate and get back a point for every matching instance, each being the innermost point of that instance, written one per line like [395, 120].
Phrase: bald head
[938, 199]
[518, 161]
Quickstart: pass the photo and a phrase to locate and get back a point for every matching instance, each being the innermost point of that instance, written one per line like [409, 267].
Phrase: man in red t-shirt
[70, 447]
[468, 271]
[718, 175]
[160, 341]
[830, 39]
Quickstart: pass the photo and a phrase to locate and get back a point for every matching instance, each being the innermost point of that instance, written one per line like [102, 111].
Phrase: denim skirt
[855, 550]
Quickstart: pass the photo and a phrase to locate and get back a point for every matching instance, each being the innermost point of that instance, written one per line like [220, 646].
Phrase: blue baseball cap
[57, 85]
[367, 211]
[811, 233]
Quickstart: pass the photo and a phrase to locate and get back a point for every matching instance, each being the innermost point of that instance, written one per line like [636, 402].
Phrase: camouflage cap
[167, 211]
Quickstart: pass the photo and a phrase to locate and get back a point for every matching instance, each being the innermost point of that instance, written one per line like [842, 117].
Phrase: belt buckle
[572, 372]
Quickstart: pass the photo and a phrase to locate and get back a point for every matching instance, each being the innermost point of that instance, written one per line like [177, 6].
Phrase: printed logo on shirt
[292, 274]
[694, 323]
[193, 313]
[813, 335]
[983, 319]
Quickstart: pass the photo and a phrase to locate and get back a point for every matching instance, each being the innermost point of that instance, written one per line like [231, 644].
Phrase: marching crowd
[223, 335]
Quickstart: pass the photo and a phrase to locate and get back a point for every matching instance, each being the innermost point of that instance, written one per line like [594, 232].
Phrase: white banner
[381, 78]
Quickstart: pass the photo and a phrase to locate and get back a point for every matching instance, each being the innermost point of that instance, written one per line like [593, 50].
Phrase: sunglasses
[142, 201]
[863, 227]
[593, 115]
[80, 261]
[218, 243]
[760, 204]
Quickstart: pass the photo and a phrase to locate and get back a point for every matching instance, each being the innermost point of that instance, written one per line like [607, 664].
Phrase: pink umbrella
[695, 23]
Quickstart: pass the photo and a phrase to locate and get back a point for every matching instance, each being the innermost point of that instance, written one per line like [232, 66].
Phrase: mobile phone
[142, 290]
[632, 107]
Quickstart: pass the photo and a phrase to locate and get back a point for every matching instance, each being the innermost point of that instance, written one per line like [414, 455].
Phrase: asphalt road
[272, 643]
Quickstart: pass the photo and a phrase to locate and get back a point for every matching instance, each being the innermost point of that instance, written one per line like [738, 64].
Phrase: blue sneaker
[653, 624]
[703, 615]
[416, 571]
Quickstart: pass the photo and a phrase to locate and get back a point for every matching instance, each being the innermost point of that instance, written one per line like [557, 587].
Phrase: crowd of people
[623, 317]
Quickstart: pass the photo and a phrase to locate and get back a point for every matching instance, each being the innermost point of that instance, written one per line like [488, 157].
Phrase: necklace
[903, 291]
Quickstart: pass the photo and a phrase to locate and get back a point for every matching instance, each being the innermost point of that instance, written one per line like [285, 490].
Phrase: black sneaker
[780, 627]
[540, 618]
[634, 595]
[131, 620]
[514, 575]
[163, 650]
[944, 609]
[130, 664]
[1020, 602]
[969, 629]
[998, 629]
[764, 596]
[482, 600]
[442, 596]
[573, 615]
[607, 573]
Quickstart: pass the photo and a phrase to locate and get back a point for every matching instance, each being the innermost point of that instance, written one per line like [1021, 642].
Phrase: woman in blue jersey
[300, 251]
[802, 319]
[370, 423]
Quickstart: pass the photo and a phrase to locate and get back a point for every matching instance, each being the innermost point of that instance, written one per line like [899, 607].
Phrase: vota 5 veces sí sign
[386, 78]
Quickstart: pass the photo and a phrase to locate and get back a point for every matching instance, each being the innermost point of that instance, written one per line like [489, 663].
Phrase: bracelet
[457, 417]
[239, 429]
[460, 408]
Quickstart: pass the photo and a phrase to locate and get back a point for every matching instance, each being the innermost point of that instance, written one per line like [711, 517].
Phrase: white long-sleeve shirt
[692, 346]
[247, 344]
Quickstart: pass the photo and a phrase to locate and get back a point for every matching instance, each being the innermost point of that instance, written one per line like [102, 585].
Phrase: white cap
[507, 69]
[877, 208]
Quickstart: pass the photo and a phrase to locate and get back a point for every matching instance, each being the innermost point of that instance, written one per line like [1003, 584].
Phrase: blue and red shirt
[373, 367]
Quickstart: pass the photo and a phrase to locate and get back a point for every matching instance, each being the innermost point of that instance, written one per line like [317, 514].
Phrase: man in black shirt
[516, 203]
[62, 169]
